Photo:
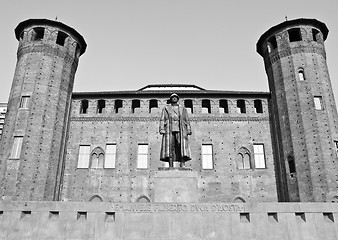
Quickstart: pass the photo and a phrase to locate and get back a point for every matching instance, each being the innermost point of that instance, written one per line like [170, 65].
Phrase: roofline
[289, 23]
[24, 24]
[164, 93]
[170, 85]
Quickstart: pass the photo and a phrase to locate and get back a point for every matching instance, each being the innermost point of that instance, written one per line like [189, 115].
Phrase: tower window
[97, 157]
[16, 148]
[292, 166]
[189, 105]
[110, 158]
[142, 156]
[206, 108]
[101, 105]
[152, 104]
[61, 38]
[315, 34]
[295, 35]
[301, 75]
[258, 106]
[243, 159]
[223, 106]
[259, 156]
[318, 103]
[135, 104]
[24, 102]
[241, 106]
[207, 161]
[83, 158]
[38, 33]
[84, 107]
[272, 44]
[118, 105]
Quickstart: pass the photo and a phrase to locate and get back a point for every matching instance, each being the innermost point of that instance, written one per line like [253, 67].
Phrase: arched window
[152, 104]
[206, 107]
[189, 105]
[315, 34]
[301, 75]
[143, 199]
[223, 106]
[239, 200]
[101, 105]
[61, 38]
[97, 158]
[295, 35]
[84, 107]
[241, 106]
[243, 158]
[258, 106]
[38, 33]
[271, 44]
[95, 198]
[135, 104]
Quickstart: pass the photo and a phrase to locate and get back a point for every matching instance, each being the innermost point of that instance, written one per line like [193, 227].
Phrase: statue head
[174, 98]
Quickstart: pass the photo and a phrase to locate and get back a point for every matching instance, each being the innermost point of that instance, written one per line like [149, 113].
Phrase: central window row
[106, 159]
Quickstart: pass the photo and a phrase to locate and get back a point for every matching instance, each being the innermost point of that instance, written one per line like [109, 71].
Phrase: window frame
[257, 154]
[24, 102]
[16, 147]
[85, 162]
[206, 157]
[140, 154]
[318, 104]
[108, 155]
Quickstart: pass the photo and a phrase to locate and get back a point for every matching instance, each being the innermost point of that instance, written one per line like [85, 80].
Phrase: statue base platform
[175, 185]
[174, 169]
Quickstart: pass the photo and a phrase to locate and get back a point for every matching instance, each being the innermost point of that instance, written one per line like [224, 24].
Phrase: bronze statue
[175, 128]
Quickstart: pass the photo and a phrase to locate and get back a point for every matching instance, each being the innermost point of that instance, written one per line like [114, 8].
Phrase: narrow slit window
[135, 104]
[295, 35]
[206, 107]
[84, 107]
[118, 105]
[258, 106]
[24, 102]
[83, 158]
[101, 105]
[142, 156]
[78, 50]
[189, 105]
[61, 38]
[318, 103]
[223, 106]
[301, 74]
[259, 156]
[207, 161]
[272, 44]
[292, 166]
[16, 148]
[336, 147]
[241, 106]
[38, 33]
[110, 160]
[153, 104]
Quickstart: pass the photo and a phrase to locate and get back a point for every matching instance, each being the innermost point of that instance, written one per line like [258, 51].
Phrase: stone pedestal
[175, 185]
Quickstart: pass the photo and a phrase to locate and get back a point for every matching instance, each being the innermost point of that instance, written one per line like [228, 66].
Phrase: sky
[131, 44]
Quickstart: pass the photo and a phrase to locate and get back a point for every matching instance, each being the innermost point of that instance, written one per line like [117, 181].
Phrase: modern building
[85, 165]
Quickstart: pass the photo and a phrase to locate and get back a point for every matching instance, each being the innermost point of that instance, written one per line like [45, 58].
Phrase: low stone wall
[168, 221]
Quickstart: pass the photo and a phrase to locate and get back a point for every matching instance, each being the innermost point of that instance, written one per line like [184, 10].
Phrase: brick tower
[31, 157]
[304, 115]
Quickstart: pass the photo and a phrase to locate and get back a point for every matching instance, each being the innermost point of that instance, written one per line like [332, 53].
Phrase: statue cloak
[185, 130]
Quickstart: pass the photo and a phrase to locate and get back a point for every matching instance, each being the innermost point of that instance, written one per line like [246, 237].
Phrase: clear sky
[209, 43]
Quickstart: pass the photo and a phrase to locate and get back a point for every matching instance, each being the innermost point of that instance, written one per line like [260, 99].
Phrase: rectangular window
[16, 148]
[24, 102]
[142, 156]
[318, 103]
[259, 156]
[110, 159]
[84, 153]
[207, 162]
